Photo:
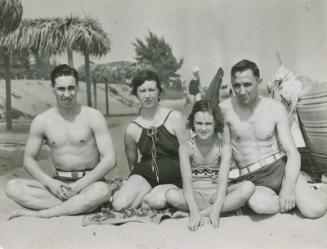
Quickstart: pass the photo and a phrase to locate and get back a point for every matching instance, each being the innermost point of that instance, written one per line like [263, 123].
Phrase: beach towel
[105, 214]
[113, 217]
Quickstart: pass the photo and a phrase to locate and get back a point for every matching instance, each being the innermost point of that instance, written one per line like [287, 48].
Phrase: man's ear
[259, 80]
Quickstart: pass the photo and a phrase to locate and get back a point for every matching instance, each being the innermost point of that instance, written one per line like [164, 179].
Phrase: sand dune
[30, 97]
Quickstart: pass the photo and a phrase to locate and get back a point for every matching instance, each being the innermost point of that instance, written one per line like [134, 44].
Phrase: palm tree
[86, 36]
[11, 12]
[55, 36]
[33, 35]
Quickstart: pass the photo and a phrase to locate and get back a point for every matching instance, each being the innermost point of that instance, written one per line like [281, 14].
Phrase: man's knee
[15, 188]
[258, 204]
[247, 189]
[98, 192]
[262, 203]
[314, 209]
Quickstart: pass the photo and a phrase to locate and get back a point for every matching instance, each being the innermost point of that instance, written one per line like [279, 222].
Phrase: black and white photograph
[163, 124]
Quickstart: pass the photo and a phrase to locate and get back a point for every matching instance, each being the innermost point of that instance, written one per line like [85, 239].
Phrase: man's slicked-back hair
[205, 106]
[142, 76]
[243, 65]
[63, 70]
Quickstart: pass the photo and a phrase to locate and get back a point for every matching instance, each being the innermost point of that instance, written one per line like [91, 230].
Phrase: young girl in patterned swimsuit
[159, 136]
[210, 158]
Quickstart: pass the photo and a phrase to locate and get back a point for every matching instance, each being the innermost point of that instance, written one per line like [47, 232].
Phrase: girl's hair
[205, 106]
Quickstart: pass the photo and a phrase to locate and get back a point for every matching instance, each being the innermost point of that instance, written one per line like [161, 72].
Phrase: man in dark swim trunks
[264, 150]
[81, 153]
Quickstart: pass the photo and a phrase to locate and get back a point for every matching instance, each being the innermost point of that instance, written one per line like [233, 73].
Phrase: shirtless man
[263, 148]
[81, 151]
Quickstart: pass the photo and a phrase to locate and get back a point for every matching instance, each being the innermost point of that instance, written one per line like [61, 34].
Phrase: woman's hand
[214, 217]
[195, 221]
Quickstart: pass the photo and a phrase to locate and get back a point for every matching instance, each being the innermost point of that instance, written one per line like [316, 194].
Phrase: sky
[209, 33]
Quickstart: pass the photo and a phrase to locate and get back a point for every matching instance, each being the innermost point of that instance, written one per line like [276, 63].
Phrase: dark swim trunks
[71, 179]
[270, 176]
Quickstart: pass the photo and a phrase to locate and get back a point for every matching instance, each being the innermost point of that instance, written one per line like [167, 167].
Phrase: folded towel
[113, 217]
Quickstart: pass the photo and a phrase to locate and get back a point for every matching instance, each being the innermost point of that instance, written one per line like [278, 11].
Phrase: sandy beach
[244, 232]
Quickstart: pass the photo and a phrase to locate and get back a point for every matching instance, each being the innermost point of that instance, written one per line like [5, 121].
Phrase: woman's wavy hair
[142, 76]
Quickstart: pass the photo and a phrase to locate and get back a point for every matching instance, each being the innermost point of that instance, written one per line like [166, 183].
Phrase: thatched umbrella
[86, 36]
[11, 12]
[55, 36]
[31, 34]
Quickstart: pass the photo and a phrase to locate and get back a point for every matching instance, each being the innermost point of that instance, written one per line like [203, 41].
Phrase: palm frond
[86, 35]
[11, 12]
[56, 35]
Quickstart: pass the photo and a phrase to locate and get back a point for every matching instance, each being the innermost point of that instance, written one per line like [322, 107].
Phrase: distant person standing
[185, 93]
[194, 86]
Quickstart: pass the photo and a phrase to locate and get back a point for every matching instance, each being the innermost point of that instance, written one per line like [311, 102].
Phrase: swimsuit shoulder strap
[167, 116]
[193, 150]
[138, 124]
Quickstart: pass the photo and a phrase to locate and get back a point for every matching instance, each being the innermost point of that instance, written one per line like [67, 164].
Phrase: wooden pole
[107, 99]
[70, 57]
[95, 94]
[88, 78]
[8, 91]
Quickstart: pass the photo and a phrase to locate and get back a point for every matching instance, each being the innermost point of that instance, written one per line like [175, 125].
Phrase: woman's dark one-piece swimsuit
[167, 157]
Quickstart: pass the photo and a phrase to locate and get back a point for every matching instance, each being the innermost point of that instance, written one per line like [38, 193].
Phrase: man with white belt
[264, 150]
[81, 152]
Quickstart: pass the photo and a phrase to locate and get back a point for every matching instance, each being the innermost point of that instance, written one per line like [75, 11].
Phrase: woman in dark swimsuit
[159, 135]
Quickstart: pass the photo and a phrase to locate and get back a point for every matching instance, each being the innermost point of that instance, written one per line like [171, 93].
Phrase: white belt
[261, 163]
[71, 174]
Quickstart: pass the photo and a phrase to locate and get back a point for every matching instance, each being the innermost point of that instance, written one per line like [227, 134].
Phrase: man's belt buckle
[77, 174]
[71, 174]
[262, 163]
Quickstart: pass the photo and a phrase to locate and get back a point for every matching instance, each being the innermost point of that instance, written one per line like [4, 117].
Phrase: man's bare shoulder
[272, 104]
[92, 112]
[44, 116]
[39, 123]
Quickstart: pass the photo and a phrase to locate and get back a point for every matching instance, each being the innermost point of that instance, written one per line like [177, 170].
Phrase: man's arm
[32, 149]
[293, 164]
[181, 134]
[105, 147]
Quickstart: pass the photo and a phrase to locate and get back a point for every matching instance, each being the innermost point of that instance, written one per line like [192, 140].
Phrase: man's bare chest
[259, 126]
[60, 134]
